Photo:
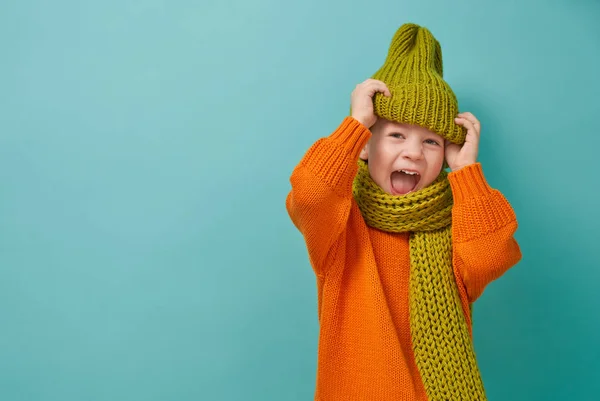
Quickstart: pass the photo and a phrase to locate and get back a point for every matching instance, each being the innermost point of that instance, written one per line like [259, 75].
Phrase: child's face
[394, 147]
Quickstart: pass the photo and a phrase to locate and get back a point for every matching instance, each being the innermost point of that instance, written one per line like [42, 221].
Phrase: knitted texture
[363, 275]
[425, 210]
[413, 72]
[441, 339]
[443, 349]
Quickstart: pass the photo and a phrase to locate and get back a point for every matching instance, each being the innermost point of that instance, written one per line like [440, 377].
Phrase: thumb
[451, 151]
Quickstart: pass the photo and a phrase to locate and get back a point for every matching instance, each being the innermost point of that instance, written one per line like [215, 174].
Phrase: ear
[364, 153]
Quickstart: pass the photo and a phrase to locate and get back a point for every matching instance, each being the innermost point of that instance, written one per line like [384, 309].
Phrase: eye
[397, 135]
[432, 142]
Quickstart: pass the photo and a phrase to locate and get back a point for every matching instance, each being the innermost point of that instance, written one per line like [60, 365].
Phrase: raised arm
[483, 225]
[321, 196]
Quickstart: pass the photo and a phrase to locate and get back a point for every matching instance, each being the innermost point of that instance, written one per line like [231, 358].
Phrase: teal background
[145, 152]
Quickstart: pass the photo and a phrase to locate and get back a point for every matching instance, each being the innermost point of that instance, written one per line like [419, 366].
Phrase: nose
[413, 150]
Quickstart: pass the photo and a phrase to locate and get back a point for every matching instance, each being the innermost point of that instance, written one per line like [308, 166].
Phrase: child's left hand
[459, 156]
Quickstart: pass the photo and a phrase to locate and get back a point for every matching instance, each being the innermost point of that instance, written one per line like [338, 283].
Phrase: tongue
[403, 183]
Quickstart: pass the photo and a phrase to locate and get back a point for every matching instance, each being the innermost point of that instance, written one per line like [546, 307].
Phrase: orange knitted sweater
[365, 350]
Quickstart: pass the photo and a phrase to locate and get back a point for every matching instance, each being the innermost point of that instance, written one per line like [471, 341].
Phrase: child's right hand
[362, 101]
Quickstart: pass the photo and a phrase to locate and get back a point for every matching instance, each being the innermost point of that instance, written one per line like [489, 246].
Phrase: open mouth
[404, 181]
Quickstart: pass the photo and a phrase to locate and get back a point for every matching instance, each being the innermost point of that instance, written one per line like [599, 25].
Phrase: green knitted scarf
[441, 341]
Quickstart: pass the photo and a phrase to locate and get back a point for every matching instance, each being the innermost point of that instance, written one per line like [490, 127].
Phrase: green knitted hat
[413, 72]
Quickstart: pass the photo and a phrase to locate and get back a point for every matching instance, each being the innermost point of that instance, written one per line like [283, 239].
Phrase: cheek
[386, 154]
[440, 160]
[380, 159]
[435, 162]
[378, 153]
[438, 155]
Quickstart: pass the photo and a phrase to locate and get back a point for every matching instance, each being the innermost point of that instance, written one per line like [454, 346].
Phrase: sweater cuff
[351, 133]
[468, 182]
[334, 158]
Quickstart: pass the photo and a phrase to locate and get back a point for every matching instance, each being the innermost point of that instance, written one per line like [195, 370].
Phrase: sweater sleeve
[321, 189]
[483, 225]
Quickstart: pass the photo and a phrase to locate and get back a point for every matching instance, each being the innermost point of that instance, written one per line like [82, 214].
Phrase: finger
[469, 116]
[464, 122]
[386, 91]
[370, 86]
[371, 80]
[468, 125]
[451, 151]
[378, 86]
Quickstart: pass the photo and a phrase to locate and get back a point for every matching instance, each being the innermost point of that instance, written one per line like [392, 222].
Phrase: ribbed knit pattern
[441, 338]
[425, 210]
[443, 349]
[367, 345]
[413, 73]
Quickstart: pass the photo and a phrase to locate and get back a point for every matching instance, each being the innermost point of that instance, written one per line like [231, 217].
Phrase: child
[400, 247]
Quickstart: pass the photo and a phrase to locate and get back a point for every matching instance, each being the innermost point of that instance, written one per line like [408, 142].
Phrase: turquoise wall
[145, 152]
